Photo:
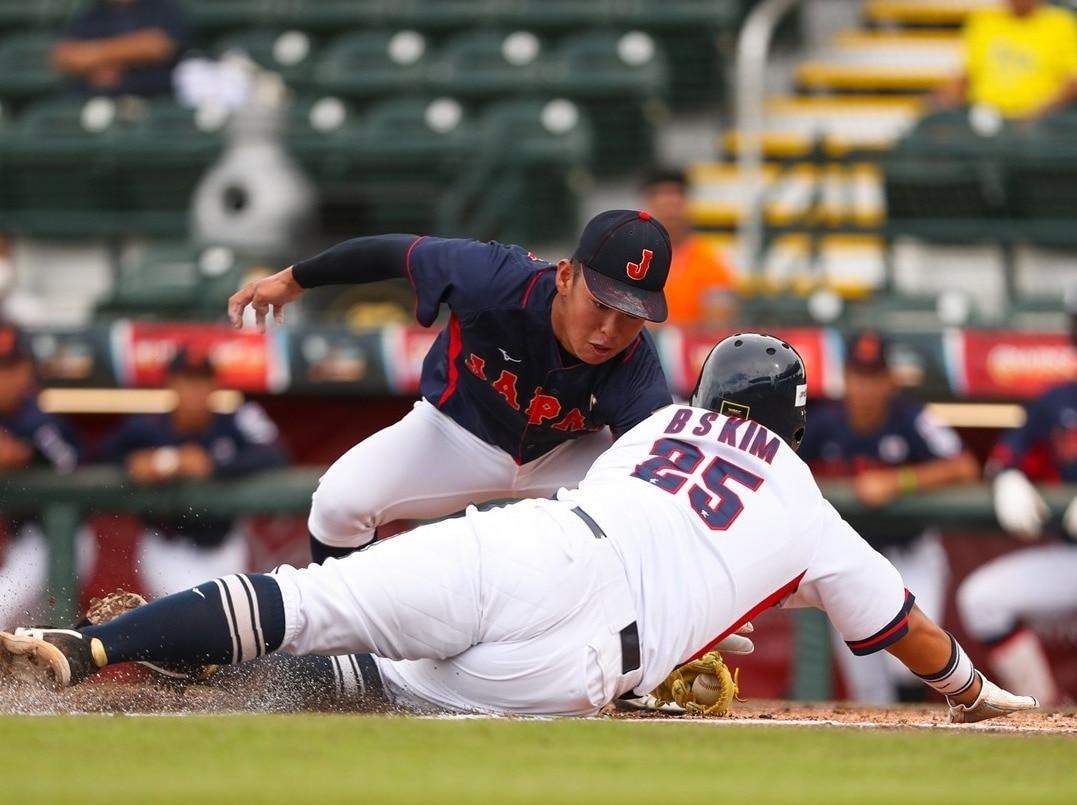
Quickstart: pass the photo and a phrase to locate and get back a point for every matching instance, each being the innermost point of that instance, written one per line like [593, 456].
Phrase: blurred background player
[193, 442]
[888, 446]
[123, 47]
[701, 289]
[29, 437]
[1020, 61]
[997, 600]
[517, 391]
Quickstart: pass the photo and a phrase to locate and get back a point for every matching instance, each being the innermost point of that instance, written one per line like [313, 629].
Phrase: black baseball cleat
[55, 657]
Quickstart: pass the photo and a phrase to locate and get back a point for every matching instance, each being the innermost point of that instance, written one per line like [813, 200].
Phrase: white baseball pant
[517, 611]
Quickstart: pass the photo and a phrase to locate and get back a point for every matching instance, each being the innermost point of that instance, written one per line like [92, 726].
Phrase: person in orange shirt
[700, 291]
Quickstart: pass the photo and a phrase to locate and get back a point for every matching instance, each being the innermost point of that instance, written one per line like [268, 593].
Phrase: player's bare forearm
[926, 650]
[960, 469]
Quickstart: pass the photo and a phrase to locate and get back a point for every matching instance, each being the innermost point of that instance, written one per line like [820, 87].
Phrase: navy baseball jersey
[53, 439]
[1045, 447]
[498, 370]
[238, 443]
[909, 435]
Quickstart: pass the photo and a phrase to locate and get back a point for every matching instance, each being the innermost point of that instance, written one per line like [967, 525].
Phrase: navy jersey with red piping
[1045, 447]
[51, 438]
[238, 443]
[498, 370]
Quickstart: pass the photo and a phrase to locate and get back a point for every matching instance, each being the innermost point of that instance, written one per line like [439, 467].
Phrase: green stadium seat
[160, 160]
[334, 15]
[432, 15]
[486, 64]
[174, 280]
[560, 15]
[373, 63]
[620, 78]
[681, 15]
[62, 179]
[287, 53]
[25, 71]
[218, 15]
[36, 13]
[322, 133]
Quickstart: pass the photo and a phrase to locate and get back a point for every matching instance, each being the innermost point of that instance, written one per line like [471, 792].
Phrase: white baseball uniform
[704, 521]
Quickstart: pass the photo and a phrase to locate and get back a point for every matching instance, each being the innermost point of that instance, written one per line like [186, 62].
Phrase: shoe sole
[28, 659]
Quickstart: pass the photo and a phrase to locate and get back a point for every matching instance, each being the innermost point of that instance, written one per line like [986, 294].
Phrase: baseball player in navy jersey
[691, 523]
[192, 442]
[518, 390]
[998, 599]
[889, 446]
[29, 437]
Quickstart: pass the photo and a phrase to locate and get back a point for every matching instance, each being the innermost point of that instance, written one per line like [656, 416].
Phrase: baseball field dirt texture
[115, 741]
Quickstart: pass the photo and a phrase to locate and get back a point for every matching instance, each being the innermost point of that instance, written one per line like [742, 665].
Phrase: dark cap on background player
[625, 256]
[188, 360]
[866, 351]
[14, 345]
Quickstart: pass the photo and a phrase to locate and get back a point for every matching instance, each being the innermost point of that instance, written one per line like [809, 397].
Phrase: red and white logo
[638, 271]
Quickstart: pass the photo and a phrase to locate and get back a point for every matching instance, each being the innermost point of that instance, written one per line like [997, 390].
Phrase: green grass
[292, 759]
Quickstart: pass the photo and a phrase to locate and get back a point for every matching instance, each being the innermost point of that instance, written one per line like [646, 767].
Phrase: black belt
[630, 657]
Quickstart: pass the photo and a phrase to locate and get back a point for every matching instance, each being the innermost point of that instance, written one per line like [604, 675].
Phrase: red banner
[244, 359]
[1010, 365]
[811, 343]
[406, 347]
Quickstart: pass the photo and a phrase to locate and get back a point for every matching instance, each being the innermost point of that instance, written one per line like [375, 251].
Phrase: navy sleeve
[356, 261]
[644, 391]
[131, 435]
[929, 437]
[257, 444]
[56, 443]
[1015, 447]
[467, 275]
[170, 18]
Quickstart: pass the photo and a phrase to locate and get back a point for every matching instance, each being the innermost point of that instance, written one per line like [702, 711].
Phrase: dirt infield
[139, 696]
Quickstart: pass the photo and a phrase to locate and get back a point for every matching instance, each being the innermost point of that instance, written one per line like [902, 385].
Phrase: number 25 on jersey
[674, 463]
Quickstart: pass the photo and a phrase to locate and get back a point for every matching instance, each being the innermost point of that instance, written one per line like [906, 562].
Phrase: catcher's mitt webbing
[677, 687]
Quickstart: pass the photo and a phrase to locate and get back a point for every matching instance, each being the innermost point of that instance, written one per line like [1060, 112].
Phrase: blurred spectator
[29, 437]
[123, 47]
[1020, 61]
[888, 446]
[997, 601]
[701, 285]
[193, 442]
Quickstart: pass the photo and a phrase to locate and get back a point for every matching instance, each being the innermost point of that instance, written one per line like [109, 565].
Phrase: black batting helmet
[758, 377]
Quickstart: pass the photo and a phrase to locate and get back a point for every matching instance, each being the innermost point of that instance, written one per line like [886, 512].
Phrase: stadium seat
[486, 64]
[218, 15]
[621, 79]
[35, 13]
[334, 15]
[373, 63]
[160, 160]
[25, 71]
[62, 179]
[174, 279]
[432, 15]
[682, 15]
[322, 133]
[287, 53]
[560, 15]
[868, 62]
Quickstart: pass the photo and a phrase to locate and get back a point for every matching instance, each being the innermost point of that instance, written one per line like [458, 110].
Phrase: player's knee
[340, 514]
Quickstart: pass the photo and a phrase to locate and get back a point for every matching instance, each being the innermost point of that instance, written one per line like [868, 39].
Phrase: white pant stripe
[229, 620]
[248, 643]
[259, 636]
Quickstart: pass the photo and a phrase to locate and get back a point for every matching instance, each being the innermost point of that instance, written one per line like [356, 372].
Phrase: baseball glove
[103, 610]
[710, 697]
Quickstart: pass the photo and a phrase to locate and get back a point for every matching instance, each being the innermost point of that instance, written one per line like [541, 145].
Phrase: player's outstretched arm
[939, 660]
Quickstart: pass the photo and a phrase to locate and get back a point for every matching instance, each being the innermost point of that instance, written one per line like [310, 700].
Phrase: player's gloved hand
[993, 701]
[1018, 506]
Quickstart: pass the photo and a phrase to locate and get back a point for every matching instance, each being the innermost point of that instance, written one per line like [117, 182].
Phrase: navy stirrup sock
[227, 620]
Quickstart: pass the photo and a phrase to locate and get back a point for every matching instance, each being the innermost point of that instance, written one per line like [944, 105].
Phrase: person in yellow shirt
[1021, 61]
[701, 288]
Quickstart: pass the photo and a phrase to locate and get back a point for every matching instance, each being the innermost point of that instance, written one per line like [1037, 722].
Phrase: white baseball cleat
[993, 701]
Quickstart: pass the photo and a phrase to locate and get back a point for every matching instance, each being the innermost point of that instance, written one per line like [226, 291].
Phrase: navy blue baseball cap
[867, 351]
[625, 256]
[189, 361]
[14, 345]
